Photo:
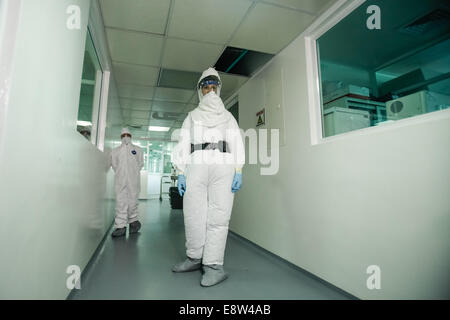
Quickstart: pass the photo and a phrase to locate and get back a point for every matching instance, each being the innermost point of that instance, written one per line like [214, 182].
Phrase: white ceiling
[309, 6]
[189, 35]
[268, 28]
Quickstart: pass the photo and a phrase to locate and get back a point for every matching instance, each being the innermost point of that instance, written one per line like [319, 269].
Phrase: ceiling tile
[313, 6]
[136, 92]
[190, 55]
[187, 14]
[114, 119]
[168, 106]
[170, 94]
[269, 28]
[178, 79]
[136, 122]
[141, 15]
[134, 47]
[141, 132]
[134, 74]
[161, 123]
[157, 135]
[137, 114]
[135, 104]
[126, 113]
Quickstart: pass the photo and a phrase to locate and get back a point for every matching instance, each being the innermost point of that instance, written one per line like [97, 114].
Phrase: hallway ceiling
[146, 36]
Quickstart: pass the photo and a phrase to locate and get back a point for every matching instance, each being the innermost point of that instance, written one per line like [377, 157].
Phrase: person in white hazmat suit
[208, 157]
[127, 161]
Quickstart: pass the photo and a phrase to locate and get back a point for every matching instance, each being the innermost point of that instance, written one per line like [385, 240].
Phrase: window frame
[332, 16]
[91, 49]
[95, 29]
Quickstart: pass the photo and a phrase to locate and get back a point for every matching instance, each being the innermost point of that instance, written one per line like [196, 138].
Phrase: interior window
[91, 83]
[371, 76]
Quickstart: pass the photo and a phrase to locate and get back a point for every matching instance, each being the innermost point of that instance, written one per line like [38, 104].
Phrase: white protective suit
[127, 161]
[208, 199]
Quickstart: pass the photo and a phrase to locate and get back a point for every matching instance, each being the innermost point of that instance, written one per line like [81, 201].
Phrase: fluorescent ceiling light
[156, 128]
[84, 123]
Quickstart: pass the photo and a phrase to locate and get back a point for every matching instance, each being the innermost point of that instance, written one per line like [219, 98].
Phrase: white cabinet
[339, 120]
[377, 110]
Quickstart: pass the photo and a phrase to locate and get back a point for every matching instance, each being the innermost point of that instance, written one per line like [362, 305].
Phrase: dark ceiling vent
[241, 61]
[437, 20]
[134, 126]
[178, 79]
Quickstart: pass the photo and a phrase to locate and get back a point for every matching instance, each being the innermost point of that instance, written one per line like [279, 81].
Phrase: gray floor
[139, 267]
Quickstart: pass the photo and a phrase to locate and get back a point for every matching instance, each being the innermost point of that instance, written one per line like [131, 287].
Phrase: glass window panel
[372, 76]
[91, 82]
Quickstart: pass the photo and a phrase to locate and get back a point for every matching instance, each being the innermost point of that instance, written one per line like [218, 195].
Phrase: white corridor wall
[374, 197]
[55, 188]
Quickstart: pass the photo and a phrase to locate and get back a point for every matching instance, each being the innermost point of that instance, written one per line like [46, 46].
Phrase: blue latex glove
[237, 182]
[181, 184]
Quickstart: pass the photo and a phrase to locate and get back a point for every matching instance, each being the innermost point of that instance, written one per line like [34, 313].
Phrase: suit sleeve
[182, 151]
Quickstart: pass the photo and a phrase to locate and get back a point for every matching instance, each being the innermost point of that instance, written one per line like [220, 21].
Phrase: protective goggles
[208, 82]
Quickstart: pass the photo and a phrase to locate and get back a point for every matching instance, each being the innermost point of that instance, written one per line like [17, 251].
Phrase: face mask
[211, 98]
[211, 93]
[126, 140]
[211, 102]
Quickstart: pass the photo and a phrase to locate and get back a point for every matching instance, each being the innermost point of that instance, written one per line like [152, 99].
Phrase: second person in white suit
[127, 162]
